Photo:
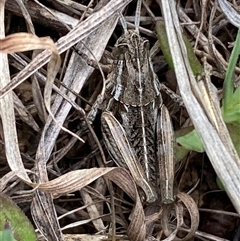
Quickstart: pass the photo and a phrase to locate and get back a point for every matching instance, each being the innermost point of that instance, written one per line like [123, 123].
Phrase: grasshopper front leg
[123, 154]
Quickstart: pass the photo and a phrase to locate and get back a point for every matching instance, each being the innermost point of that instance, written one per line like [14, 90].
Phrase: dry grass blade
[24, 113]
[19, 42]
[192, 210]
[74, 36]
[220, 155]
[7, 112]
[24, 42]
[92, 210]
[6, 178]
[229, 12]
[78, 179]
[211, 103]
[86, 237]
[26, 16]
[45, 214]
[171, 234]
[61, 183]
[42, 208]
[78, 68]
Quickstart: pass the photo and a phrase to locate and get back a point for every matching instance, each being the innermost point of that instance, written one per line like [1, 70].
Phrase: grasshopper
[136, 125]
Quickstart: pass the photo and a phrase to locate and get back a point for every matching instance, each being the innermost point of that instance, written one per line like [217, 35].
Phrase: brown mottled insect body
[134, 99]
[131, 121]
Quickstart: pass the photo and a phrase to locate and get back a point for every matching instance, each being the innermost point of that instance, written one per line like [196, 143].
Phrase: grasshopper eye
[122, 49]
[146, 45]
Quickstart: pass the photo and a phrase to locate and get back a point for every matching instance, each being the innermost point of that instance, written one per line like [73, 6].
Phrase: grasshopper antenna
[137, 15]
[123, 22]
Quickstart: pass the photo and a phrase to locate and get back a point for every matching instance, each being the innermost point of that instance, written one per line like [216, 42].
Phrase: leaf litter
[57, 166]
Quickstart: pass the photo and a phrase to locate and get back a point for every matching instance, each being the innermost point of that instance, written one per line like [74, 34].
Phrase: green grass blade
[228, 87]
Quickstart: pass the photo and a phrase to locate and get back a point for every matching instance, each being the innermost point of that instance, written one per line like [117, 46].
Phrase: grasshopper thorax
[134, 79]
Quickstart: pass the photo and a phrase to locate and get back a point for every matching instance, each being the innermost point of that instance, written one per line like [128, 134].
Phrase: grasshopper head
[134, 47]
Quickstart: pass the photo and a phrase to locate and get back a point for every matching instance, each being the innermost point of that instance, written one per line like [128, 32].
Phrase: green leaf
[19, 223]
[193, 60]
[231, 114]
[6, 234]
[234, 131]
[181, 152]
[229, 100]
[191, 141]
[235, 101]
[219, 183]
[163, 42]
